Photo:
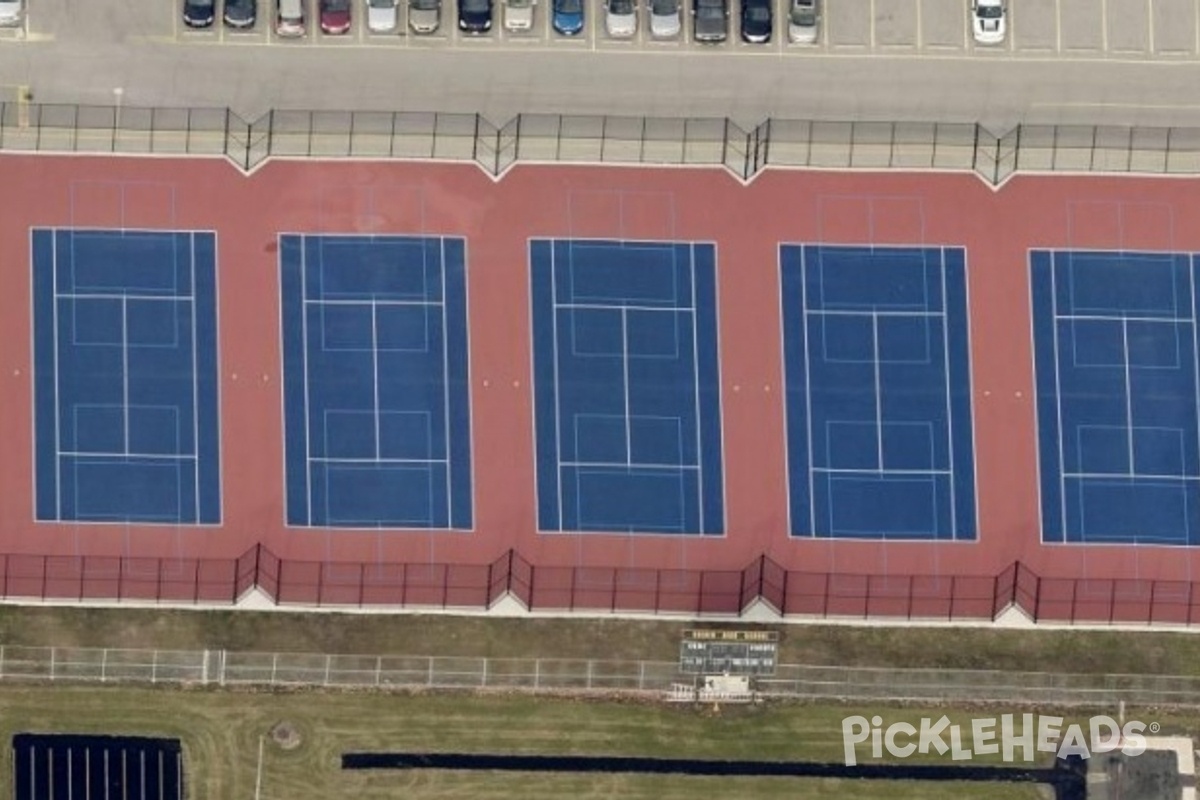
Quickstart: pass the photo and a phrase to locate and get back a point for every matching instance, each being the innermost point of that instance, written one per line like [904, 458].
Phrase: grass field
[221, 732]
[1113, 651]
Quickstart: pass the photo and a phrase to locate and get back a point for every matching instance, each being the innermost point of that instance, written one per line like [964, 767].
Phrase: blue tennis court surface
[626, 387]
[878, 392]
[375, 372]
[1115, 348]
[125, 356]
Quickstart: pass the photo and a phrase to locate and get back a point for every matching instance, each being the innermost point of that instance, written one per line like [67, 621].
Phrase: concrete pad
[1173, 26]
[896, 23]
[1081, 25]
[1128, 24]
[944, 24]
[1033, 25]
[847, 24]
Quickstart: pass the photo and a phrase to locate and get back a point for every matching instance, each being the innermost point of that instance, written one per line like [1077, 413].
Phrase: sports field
[221, 732]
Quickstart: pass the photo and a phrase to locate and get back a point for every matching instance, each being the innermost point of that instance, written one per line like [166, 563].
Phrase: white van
[289, 18]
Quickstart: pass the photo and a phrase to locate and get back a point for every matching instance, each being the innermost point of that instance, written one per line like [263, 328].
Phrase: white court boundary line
[624, 244]
[424, 240]
[173, 236]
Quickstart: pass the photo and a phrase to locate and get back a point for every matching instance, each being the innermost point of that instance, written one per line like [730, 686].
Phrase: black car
[199, 13]
[240, 13]
[711, 23]
[475, 16]
[758, 19]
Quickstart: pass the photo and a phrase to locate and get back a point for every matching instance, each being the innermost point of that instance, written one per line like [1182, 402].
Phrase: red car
[335, 16]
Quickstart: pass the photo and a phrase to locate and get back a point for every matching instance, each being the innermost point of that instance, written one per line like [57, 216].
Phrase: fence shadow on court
[552, 138]
[762, 586]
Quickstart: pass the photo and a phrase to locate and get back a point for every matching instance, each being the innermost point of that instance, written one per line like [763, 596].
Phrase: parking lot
[1120, 29]
[1130, 29]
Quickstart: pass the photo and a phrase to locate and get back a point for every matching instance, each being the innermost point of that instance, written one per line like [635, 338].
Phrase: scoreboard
[717, 652]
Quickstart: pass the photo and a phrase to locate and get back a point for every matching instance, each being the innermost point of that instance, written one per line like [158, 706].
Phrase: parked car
[199, 13]
[620, 18]
[240, 13]
[475, 16]
[567, 16]
[424, 16]
[518, 15]
[988, 20]
[710, 22]
[758, 21]
[664, 19]
[382, 15]
[802, 21]
[290, 20]
[335, 16]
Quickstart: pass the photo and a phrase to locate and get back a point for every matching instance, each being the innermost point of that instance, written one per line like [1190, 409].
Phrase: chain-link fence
[557, 138]
[762, 585]
[228, 668]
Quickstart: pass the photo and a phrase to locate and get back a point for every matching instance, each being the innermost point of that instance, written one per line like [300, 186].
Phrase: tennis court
[1118, 434]
[376, 397]
[878, 392]
[626, 387]
[125, 356]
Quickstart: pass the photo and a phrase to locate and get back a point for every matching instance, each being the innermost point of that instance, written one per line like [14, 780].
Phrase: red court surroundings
[753, 562]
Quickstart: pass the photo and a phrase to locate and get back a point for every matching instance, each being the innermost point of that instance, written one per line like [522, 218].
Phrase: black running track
[1066, 777]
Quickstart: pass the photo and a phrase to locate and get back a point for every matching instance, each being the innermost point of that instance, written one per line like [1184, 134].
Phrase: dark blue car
[567, 17]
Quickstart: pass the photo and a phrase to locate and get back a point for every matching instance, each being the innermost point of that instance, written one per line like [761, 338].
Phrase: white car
[10, 13]
[620, 18]
[802, 22]
[988, 19]
[665, 20]
[382, 16]
[518, 15]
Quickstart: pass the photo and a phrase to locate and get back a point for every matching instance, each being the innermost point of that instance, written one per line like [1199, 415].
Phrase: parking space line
[1058, 26]
[872, 24]
[1104, 26]
[920, 35]
[1011, 44]
[1150, 25]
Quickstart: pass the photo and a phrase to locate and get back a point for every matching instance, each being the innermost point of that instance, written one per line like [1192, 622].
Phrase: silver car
[802, 22]
[620, 18]
[382, 15]
[424, 16]
[665, 22]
